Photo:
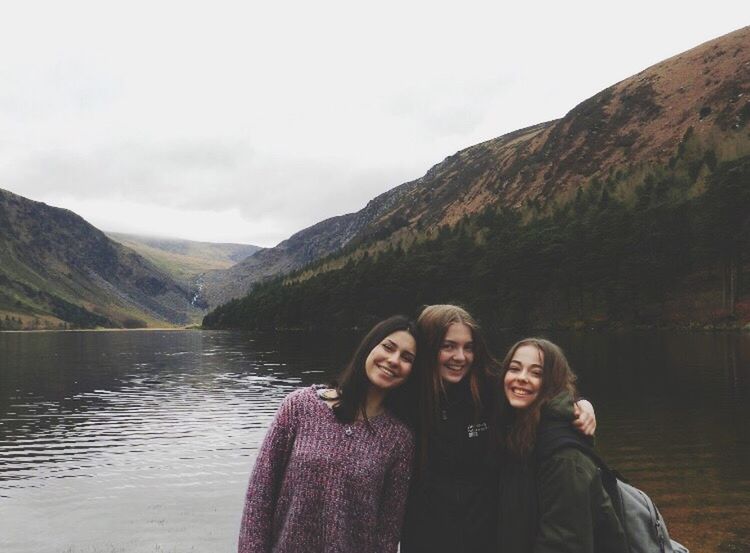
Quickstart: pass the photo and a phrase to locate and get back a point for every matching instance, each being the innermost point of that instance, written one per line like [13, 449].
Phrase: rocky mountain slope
[57, 270]
[306, 246]
[624, 131]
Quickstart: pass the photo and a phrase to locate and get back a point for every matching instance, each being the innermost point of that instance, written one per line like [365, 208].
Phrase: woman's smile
[388, 371]
[523, 380]
[456, 353]
[390, 362]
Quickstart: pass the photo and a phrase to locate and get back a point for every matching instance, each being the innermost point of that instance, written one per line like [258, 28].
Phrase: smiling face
[389, 363]
[523, 379]
[456, 353]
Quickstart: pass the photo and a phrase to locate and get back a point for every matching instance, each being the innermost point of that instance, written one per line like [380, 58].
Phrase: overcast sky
[248, 121]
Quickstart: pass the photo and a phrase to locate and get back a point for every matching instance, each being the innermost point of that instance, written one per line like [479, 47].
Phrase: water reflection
[142, 441]
[672, 408]
[153, 430]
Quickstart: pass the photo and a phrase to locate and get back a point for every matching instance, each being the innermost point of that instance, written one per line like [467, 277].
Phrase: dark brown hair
[353, 384]
[518, 434]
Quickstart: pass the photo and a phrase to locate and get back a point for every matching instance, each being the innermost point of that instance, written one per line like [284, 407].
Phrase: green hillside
[185, 260]
[632, 209]
[58, 271]
[671, 251]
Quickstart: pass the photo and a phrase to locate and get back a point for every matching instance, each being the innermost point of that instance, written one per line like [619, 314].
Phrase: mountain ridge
[185, 260]
[59, 271]
[627, 127]
[302, 247]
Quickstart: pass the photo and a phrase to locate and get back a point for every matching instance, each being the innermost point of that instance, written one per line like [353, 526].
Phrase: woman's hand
[585, 420]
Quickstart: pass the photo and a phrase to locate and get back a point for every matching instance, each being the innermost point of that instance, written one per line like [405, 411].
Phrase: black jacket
[452, 503]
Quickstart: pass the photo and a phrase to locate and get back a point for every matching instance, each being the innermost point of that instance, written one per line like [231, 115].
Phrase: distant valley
[59, 272]
[185, 260]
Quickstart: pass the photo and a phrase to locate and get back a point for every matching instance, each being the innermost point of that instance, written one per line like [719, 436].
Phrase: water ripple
[148, 438]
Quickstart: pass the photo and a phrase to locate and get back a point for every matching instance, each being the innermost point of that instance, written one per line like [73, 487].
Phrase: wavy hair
[432, 326]
[518, 434]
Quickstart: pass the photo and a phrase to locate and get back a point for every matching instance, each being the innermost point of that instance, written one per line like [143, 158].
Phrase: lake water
[142, 441]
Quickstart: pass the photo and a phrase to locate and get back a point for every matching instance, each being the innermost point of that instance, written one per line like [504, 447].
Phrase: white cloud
[276, 115]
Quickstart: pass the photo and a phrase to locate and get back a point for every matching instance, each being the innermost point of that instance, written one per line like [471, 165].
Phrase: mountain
[185, 260]
[699, 99]
[634, 208]
[308, 245]
[57, 270]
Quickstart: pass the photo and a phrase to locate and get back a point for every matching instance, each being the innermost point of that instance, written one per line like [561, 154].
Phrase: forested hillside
[670, 128]
[671, 251]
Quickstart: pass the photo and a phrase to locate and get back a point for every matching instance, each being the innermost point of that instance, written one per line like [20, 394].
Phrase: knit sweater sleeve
[265, 480]
[393, 504]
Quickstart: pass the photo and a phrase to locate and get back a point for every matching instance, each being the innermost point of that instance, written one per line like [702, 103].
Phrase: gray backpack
[644, 526]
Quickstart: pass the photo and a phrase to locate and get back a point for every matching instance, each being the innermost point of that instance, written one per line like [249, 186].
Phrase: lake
[142, 441]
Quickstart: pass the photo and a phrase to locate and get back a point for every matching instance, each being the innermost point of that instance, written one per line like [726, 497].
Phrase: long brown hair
[519, 433]
[353, 383]
[432, 326]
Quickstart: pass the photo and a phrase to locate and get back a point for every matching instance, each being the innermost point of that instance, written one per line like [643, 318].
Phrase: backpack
[645, 529]
[644, 526]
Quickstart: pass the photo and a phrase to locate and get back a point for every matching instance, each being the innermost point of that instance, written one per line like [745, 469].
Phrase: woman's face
[389, 363]
[523, 380]
[456, 353]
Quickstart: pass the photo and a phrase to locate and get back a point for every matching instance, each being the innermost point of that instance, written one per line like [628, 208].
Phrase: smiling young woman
[389, 363]
[334, 469]
[523, 379]
[551, 497]
[452, 504]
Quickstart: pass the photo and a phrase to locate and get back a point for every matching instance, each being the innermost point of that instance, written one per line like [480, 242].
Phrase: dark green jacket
[554, 501]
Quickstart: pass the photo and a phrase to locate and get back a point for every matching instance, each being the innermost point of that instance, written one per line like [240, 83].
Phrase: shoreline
[740, 327]
[149, 329]
[579, 326]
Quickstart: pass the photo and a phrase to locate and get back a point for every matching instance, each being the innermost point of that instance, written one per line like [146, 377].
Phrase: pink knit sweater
[322, 486]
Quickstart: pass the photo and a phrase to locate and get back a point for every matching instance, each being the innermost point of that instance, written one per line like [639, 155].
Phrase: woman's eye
[537, 373]
[388, 347]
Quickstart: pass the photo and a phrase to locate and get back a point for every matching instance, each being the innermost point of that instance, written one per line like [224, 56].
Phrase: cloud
[265, 118]
[227, 225]
[255, 197]
[457, 107]
[197, 175]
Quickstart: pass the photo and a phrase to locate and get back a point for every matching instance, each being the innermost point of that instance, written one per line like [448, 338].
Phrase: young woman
[551, 497]
[452, 503]
[453, 500]
[333, 471]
